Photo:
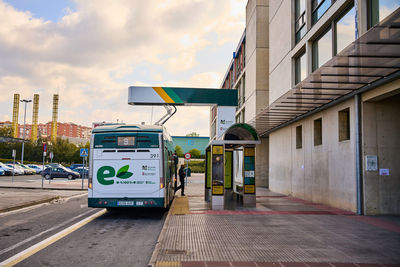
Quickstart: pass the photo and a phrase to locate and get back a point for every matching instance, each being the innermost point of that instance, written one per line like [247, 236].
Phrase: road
[120, 238]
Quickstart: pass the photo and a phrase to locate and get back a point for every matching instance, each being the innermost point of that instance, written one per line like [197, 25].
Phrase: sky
[90, 51]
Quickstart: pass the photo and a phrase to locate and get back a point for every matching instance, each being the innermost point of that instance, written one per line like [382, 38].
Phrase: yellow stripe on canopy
[163, 95]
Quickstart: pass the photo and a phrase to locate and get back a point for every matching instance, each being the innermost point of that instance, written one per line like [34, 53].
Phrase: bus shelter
[230, 167]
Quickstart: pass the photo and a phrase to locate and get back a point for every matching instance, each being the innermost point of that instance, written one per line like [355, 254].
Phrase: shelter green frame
[237, 136]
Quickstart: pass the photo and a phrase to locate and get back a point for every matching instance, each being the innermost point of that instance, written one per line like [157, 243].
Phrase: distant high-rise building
[35, 115]
[15, 115]
[54, 118]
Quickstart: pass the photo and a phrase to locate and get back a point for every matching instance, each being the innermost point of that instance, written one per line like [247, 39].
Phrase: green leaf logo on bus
[108, 172]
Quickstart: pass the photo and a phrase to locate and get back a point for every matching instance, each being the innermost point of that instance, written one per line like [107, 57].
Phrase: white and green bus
[130, 166]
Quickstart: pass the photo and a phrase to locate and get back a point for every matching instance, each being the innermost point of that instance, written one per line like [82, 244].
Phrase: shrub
[197, 166]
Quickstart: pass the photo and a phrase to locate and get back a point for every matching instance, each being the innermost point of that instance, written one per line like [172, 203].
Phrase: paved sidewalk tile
[267, 264]
[279, 231]
[180, 206]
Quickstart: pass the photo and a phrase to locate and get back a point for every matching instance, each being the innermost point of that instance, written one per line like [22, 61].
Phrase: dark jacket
[182, 173]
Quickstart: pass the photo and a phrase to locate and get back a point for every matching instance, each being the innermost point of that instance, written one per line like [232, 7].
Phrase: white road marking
[48, 241]
[42, 233]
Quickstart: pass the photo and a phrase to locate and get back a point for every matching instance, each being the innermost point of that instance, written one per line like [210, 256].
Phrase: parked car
[17, 169]
[59, 172]
[20, 170]
[37, 168]
[83, 171]
[54, 165]
[7, 170]
[27, 170]
[74, 166]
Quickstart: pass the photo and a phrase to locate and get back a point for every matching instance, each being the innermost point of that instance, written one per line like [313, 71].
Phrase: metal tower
[15, 116]
[55, 117]
[34, 132]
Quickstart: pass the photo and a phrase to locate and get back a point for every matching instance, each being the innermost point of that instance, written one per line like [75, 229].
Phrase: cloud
[83, 55]
[204, 79]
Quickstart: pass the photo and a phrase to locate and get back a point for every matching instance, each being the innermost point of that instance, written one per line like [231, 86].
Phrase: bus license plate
[125, 203]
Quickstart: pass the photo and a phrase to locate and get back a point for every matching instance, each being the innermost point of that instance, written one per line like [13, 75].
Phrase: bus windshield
[126, 140]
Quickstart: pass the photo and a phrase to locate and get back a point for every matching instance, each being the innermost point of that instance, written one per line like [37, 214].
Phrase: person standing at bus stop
[182, 176]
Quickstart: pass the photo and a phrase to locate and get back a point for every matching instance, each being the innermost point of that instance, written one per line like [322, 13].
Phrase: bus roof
[127, 128]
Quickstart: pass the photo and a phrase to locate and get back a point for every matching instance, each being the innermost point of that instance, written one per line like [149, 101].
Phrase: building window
[300, 19]
[318, 132]
[345, 29]
[380, 9]
[300, 68]
[299, 137]
[344, 125]
[319, 7]
[322, 50]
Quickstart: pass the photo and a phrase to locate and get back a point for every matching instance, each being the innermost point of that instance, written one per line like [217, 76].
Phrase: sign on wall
[371, 163]
[225, 119]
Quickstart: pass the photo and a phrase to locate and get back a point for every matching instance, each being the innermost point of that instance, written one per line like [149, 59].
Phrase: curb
[29, 204]
[152, 262]
[39, 188]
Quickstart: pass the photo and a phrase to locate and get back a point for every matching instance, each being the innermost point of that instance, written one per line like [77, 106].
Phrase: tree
[6, 131]
[179, 151]
[63, 150]
[195, 153]
[193, 134]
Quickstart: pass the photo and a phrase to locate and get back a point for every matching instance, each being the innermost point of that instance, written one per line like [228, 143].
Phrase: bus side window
[170, 163]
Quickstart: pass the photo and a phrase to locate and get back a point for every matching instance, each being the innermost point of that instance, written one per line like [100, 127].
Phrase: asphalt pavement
[117, 238]
[63, 231]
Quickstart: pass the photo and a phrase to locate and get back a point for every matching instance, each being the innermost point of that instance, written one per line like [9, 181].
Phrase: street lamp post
[23, 143]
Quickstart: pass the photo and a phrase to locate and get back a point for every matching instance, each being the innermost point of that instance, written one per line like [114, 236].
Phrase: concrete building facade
[330, 110]
[248, 73]
[322, 157]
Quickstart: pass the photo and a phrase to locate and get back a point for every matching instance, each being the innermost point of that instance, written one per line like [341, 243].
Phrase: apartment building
[333, 99]
[75, 133]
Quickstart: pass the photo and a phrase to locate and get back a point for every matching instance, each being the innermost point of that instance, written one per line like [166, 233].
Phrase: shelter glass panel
[228, 169]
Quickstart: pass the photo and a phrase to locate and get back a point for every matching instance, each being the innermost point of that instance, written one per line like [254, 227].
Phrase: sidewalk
[21, 194]
[279, 231]
[35, 182]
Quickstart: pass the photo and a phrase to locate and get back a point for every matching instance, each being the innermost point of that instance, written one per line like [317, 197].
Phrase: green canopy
[241, 131]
